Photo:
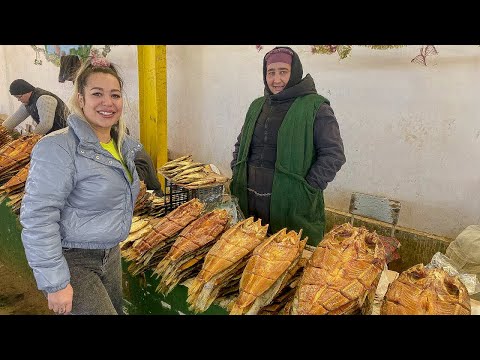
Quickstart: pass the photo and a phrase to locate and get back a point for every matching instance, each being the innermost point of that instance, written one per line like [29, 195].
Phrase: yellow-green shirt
[111, 147]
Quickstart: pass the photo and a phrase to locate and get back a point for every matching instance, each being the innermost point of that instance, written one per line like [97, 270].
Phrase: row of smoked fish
[189, 174]
[14, 164]
[239, 266]
[248, 272]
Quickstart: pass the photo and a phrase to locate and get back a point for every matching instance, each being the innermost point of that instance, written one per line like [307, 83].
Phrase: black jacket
[61, 111]
[146, 172]
[327, 140]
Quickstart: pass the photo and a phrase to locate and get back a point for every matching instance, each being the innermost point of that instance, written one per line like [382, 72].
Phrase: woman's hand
[61, 301]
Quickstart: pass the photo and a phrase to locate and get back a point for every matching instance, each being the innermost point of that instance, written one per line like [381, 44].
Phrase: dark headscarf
[20, 87]
[295, 74]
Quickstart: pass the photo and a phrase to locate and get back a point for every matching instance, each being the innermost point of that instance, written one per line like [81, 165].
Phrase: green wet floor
[140, 297]
[18, 295]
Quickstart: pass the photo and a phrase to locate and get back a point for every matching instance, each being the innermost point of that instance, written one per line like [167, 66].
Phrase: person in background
[288, 150]
[47, 110]
[79, 198]
[147, 173]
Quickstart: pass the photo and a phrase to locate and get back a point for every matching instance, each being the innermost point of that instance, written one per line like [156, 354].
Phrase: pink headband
[98, 61]
[279, 55]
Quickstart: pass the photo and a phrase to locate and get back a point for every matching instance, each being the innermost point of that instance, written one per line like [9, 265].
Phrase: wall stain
[449, 123]
[418, 134]
[413, 131]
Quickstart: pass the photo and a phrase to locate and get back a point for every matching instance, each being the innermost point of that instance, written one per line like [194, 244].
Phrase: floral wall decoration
[426, 50]
[53, 53]
[343, 51]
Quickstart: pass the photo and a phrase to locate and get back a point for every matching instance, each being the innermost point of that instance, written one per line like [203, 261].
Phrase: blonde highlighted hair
[80, 83]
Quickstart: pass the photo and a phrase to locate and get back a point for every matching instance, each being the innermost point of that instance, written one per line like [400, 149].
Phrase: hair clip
[98, 61]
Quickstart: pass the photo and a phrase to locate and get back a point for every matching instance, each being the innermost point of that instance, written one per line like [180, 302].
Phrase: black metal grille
[176, 195]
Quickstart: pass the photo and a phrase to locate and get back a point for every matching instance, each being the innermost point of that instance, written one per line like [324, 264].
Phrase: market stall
[174, 281]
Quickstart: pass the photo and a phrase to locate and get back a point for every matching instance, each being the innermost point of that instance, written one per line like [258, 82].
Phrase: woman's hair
[89, 67]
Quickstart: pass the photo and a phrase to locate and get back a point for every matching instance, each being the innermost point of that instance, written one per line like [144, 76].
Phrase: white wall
[411, 132]
[17, 61]
[209, 89]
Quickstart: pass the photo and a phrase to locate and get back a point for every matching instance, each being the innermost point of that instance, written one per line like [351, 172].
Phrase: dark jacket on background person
[77, 195]
[291, 149]
[61, 112]
[146, 172]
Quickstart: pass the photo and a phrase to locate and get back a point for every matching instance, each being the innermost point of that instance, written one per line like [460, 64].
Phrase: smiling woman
[291, 125]
[86, 172]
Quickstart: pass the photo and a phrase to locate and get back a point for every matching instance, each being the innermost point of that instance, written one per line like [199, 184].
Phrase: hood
[306, 86]
[295, 75]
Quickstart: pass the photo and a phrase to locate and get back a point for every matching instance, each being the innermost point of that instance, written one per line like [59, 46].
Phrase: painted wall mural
[53, 53]
[343, 51]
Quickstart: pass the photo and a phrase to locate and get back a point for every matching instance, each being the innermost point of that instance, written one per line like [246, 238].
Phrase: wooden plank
[375, 207]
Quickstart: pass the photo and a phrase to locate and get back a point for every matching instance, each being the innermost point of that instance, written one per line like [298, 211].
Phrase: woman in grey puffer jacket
[79, 198]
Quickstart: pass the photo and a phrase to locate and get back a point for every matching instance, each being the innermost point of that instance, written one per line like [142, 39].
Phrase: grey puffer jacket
[77, 195]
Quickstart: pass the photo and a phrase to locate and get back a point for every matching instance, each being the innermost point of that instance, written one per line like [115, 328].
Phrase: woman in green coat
[289, 149]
